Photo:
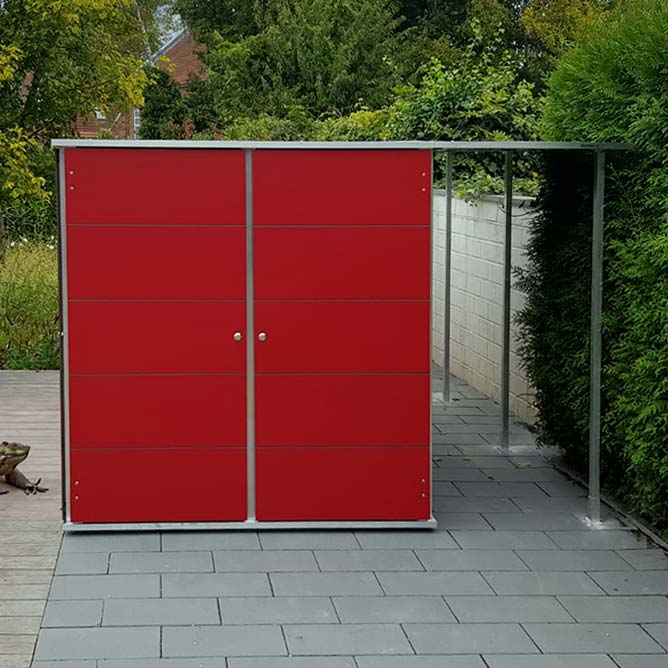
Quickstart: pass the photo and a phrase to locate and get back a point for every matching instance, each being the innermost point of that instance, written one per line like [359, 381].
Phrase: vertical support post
[595, 344]
[507, 260]
[447, 277]
[250, 345]
[64, 338]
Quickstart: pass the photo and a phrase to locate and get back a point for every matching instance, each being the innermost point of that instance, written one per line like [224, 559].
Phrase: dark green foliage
[163, 106]
[323, 57]
[613, 87]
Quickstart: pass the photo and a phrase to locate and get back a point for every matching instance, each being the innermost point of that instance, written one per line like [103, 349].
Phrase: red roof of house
[183, 62]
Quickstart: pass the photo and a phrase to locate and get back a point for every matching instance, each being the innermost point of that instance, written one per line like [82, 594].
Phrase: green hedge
[612, 87]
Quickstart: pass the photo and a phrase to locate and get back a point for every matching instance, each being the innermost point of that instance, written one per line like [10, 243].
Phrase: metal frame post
[507, 263]
[250, 342]
[447, 277]
[595, 344]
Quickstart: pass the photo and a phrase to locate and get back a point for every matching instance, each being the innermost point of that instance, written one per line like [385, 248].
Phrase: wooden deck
[30, 526]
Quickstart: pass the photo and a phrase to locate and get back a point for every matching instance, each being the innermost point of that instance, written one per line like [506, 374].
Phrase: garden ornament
[11, 455]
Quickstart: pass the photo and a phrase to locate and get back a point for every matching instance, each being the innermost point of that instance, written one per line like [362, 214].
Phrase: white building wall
[477, 295]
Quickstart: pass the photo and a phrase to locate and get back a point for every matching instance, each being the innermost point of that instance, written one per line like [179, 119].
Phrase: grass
[29, 328]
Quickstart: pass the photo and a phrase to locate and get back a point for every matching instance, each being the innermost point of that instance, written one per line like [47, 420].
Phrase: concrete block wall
[477, 295]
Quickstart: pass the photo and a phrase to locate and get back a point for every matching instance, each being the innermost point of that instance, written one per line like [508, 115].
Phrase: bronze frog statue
[11, 455]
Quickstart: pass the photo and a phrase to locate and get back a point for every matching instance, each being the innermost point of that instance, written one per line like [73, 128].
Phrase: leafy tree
[552, 26]
[60, 59]
[321, 56]
[231, 19]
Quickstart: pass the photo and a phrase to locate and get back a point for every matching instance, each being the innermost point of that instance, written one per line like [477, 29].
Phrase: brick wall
[477, 295]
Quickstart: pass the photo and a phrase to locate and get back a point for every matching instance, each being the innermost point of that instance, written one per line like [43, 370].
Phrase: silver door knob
[238, 336]
[262, 336]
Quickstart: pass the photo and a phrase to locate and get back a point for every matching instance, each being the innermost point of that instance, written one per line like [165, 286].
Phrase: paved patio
[513, 578]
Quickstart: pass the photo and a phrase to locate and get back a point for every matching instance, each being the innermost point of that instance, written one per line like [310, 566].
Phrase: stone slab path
[512, 578]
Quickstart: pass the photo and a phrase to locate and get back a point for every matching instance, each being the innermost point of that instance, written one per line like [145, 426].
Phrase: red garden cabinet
[246, 334]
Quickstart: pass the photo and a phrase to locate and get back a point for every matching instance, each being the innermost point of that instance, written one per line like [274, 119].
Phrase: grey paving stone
[523, 475]
[640, 660]
[428, 584]
[72, 613]
[161, 562]
[215, 584]
[533, 584]
[507, 609]
[367, 560]
[632, 609]
[531, 461]
[98, 643]
[162, 663]
[479, 461]
[439, 418]
[256, 640]
[563, 488]
[500, 489]
[534, 521]
[474, 504]
[62, 664]
[210, 540]
[444, 488]
[464, 521]
[659, 632]
[591, 638]
[489, 449]
[643, 582]
[326, 639]
[549, 661]
[160, 611]
[459, 408]
[503, 540]
[308, 540]
[469, 639]
[294, 662]
[598, 540]
[278, 610]
[471, 560]
[451, 474]
[445, 449]
[81, 563]
[325, 584]
[265, 561]
[573, 560]
[442, 661]
[392, 609]
[645, 560]
[382, 540]
[553, 504]
[111, 542]
[69, 587]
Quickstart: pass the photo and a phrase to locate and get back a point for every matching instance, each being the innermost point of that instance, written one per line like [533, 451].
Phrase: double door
[247, 334]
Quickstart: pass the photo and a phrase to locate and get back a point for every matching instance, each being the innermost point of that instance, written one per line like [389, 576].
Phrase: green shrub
[34, 220]
[612, 87]
[29, 331]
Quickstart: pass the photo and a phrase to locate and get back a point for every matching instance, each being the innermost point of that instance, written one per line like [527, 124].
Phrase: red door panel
[172, 485]
[342, 484]
[380, 409]
[342, 263]
[156, 337]
[157, 411]
[332, 187]
[339, 337]
[155, 186]
[156, 262]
